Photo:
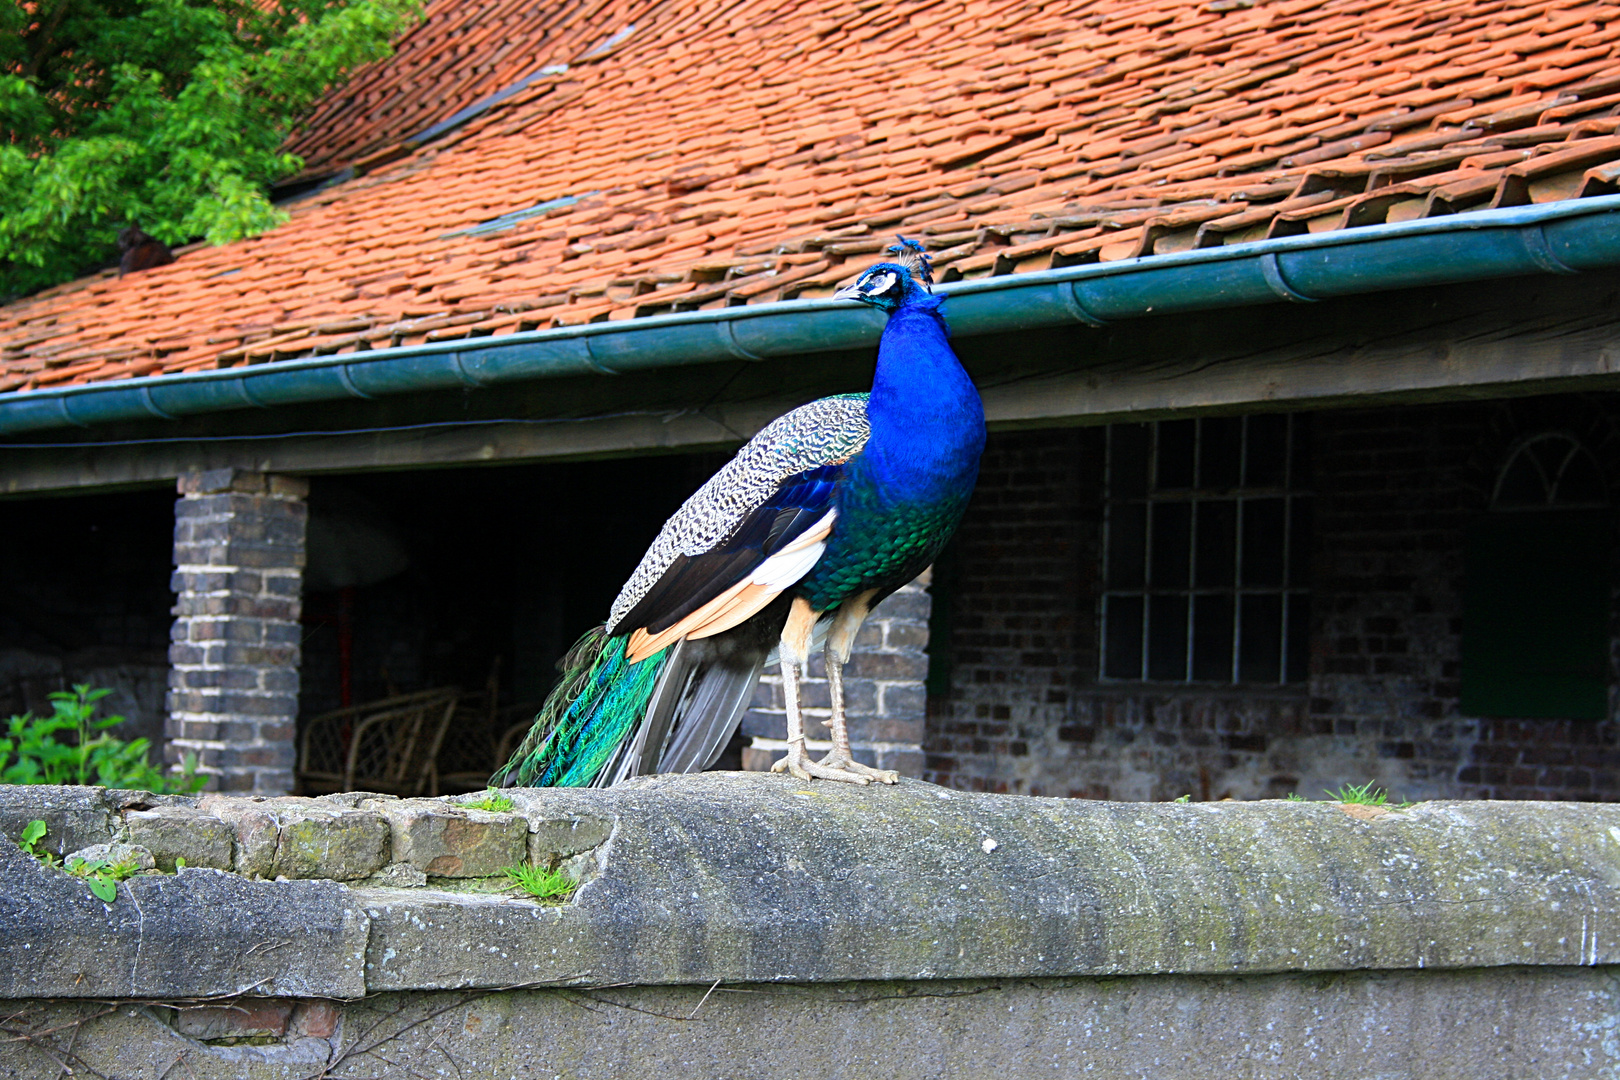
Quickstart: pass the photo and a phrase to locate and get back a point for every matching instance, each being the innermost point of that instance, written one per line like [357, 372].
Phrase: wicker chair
[463, 761]
[387, 746]
[511, 737]
[468, 766]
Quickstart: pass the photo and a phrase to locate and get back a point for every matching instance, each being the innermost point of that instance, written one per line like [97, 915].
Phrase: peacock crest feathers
[906, 276]
[914, 257]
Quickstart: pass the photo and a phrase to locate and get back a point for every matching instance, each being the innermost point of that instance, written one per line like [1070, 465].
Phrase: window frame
[1523, 656]
[1293, 584]
[1523, 447]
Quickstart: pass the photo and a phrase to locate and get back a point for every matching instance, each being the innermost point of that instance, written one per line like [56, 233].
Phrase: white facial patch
[878, 284]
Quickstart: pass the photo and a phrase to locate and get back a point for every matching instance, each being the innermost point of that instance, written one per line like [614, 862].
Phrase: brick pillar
[234, 652]
[885, 700]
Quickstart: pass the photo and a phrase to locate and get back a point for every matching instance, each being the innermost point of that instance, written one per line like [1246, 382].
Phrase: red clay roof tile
[718, 154]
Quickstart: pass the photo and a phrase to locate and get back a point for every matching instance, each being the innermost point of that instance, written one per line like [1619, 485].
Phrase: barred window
[1206, 550]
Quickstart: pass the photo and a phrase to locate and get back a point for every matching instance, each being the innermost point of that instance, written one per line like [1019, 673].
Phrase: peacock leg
[840, 642]
[795, 654]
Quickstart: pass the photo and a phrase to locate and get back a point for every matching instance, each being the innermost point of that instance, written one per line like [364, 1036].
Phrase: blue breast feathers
[926, 417]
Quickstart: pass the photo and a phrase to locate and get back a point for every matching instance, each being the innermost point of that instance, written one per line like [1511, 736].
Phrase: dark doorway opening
[1536, 617]
[84, 598]
[475, 578]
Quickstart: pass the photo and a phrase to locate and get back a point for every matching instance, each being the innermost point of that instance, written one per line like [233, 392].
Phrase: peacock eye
[878, 284]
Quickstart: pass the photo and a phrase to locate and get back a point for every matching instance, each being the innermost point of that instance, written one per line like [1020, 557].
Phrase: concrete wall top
[725, 877]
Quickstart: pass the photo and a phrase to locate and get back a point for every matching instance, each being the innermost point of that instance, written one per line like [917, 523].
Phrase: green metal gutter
[1555, 238]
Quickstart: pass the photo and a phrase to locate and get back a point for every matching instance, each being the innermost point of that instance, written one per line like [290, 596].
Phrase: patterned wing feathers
[743, 600]
[823, 433]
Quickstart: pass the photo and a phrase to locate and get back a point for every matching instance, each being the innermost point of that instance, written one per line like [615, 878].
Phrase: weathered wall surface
[1507, 1024]
[757, 877]
[747, 924]
[1395, 490]
[233, 663]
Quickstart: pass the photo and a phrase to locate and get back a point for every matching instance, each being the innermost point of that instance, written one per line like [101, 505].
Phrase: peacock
[825, 512]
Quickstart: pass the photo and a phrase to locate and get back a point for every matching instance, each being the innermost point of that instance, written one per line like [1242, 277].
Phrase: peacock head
[887, 285]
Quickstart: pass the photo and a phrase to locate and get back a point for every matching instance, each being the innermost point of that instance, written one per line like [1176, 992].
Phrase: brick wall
[233, 677]
[1020, 579]
[1395, 489]
[1399, 488]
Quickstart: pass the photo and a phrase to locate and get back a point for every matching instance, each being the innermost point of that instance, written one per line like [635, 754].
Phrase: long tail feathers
[712, 697]
[609, 719]
[584, 721]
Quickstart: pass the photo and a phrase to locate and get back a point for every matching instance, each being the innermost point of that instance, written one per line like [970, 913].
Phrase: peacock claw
[798, 763]
[845, 763]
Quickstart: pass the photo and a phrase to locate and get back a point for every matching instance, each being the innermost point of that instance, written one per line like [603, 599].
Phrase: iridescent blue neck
[926, 417]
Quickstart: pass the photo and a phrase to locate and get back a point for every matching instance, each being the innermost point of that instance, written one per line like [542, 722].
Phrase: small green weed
[34, 750]
[1365, 795]
[1294, 796]
[32, 834]
[542, 883]
[1184, 798]
[491, 800]
[102, 877]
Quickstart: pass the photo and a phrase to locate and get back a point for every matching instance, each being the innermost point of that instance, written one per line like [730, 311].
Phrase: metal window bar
[1242, 497]
[1287, 548]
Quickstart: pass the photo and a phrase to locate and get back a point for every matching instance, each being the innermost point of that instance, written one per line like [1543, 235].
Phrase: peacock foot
[798, 763]
[845, 763]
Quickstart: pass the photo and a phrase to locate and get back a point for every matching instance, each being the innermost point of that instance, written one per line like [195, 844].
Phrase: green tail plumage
[593, 708]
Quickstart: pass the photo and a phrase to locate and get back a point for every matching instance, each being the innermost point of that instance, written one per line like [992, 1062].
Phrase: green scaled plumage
[593, 708]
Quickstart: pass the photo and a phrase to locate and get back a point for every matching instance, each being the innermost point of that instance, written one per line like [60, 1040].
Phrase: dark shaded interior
[491, 574]
[466, 577]
[84, 597]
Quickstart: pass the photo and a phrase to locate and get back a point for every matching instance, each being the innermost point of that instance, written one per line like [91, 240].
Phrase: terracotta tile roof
[722, 153]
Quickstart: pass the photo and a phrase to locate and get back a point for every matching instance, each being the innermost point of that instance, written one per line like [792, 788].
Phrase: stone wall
[1549, 1023]
[1395, 488]
[742, 925]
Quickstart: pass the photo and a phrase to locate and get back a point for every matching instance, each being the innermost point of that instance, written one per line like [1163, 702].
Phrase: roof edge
[1566, 237]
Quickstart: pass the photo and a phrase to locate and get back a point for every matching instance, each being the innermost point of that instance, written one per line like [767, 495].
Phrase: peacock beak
[849, 292]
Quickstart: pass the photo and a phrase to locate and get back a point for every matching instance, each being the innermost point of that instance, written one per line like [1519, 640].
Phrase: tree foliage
[170, 114]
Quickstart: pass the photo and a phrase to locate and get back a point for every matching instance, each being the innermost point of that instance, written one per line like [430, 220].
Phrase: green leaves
[491, 800]
[102, 876]
[1362, 795]
[32, 834]
[34, 751]
[169, 114]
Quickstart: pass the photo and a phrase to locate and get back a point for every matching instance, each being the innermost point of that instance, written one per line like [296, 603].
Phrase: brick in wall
[1395, 491]
[234, 650]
